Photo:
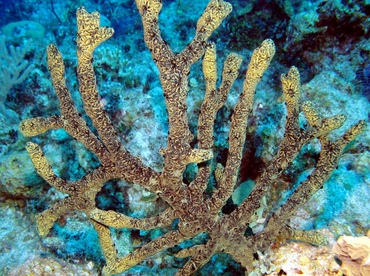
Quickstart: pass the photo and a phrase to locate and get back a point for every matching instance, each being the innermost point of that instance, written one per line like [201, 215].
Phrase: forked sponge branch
[186, 202]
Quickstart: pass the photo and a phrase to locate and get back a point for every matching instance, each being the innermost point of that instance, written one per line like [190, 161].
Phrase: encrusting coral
[195, 212]
[354, 252]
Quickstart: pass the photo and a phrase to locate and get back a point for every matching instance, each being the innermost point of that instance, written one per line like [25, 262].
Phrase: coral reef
[190, 211]
[297, 259]
[48, 266]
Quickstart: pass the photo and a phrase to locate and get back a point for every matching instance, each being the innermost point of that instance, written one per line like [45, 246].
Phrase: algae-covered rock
[24, 29]
[18, 177]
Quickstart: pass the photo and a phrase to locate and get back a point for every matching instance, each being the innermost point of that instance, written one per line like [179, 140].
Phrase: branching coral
[186, 202]
[14, 69]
